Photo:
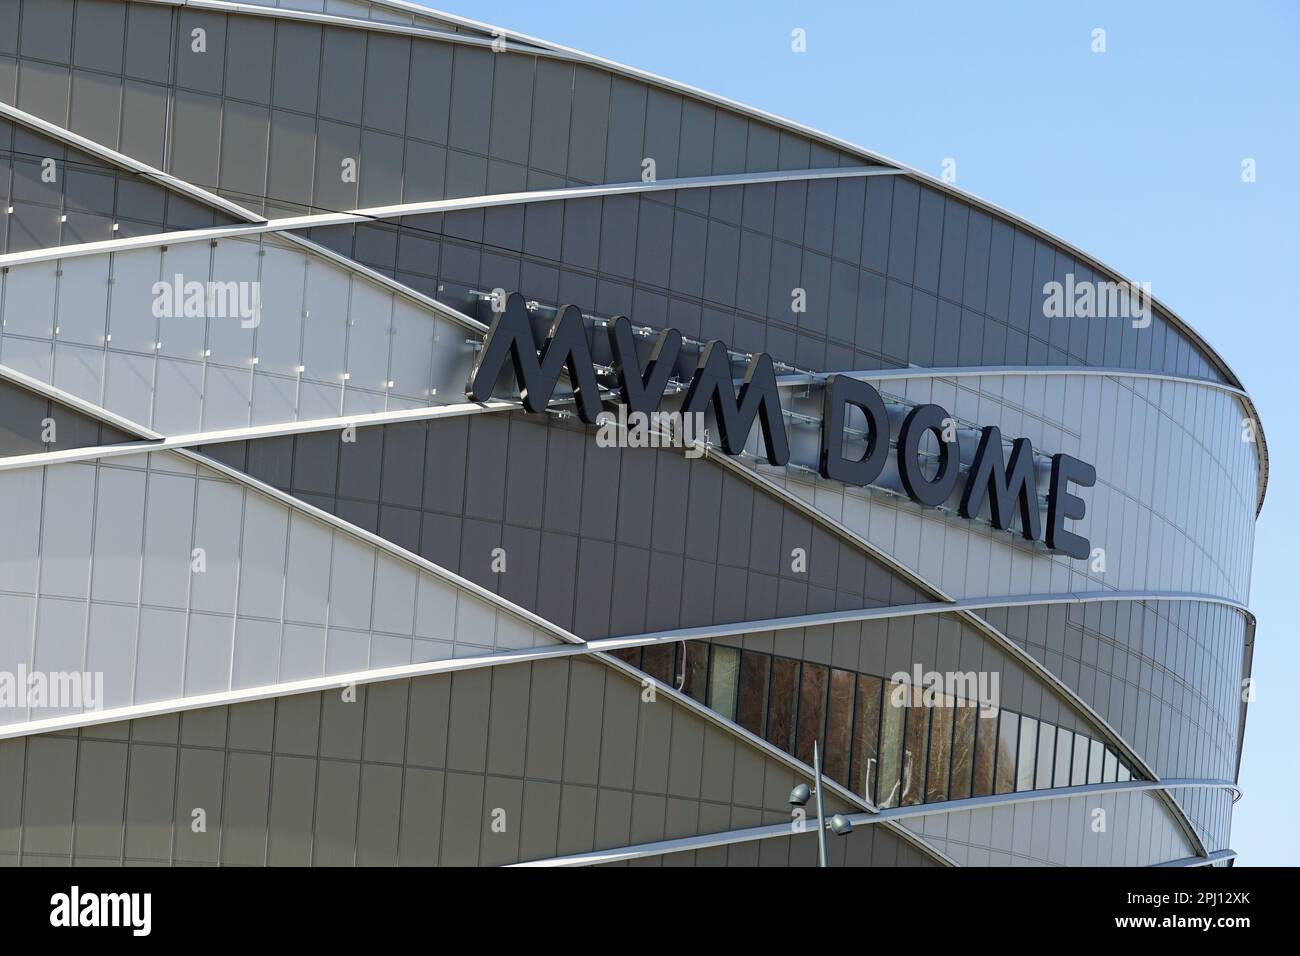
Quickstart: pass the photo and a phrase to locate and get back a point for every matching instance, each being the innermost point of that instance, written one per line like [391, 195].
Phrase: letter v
[642, 391]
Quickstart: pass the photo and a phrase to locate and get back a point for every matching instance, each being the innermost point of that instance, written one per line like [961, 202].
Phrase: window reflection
[839, 726]
[1046, 748]
[812, 709]
[941, 727]
[723, 681]
[963, 749]
[1028, 752]
[986, 748]
[781, 703]
[1095, 751]
[1064, 740]
[917, 719]
[866, 735]
[1004, 778]
[881, 738]
[752, 704]
[693, 669]
[1079, 772]
[892, 710]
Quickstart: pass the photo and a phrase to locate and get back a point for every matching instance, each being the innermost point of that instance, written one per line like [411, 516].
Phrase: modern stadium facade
[424, 444]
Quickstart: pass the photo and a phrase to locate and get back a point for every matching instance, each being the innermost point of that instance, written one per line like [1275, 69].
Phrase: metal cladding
[357, 468]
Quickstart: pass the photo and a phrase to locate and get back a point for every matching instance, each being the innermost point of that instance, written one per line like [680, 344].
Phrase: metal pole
[821, 822]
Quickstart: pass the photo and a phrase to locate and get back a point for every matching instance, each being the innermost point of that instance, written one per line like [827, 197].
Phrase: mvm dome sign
[1008, 485]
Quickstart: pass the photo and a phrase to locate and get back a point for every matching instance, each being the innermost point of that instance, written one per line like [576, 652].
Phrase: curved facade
[333, 527]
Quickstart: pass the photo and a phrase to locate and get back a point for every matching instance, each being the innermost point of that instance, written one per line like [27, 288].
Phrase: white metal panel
[34, 357]
[60, 644]
[230, 337]
[274, 399]
[395, 585]
[66, 530]
[302, 652]
[79, 370]
[308, 582]
[279, 334]
[184, 336]
[169, 527]
[20, 516]
[131, 319]
[160, 659]
[29, 300]
[413, 331]
[351, 582]
[119, 527]
[370, 321]
[128, 386]
[346, 651]
[257, 653]
[178, 397]
[261, 560]
[111, 649]
[16, 611]
[226, 394]
[436, 612]
[218, 520]
[208, 648]
[83, 300]
[325, 326]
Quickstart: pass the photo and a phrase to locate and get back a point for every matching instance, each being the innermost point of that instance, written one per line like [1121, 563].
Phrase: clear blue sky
[1134, 155]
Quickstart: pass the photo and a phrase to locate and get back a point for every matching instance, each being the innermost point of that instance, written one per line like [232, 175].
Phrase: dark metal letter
[735, 413]
[1006, 487]
[511, 337]
[642, 391]
[842, 390]
[926, 491]
[1061, 504]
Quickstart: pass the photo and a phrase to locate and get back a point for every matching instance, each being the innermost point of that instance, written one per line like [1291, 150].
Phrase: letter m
[735, 413]
[511, 338]
[1005, 487]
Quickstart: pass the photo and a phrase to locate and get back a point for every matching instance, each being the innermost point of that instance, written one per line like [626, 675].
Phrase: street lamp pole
[799, 796]
[821, 815]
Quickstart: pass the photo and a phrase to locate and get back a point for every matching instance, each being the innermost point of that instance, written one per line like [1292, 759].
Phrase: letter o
[926, 491]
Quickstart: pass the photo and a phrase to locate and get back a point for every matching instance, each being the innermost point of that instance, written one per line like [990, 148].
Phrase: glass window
[1061, 778]
[1004, 778]
[963, 749]
[839, 727]
[781, 703]
[1110, 768]
[1079, 772]
[722, 681]
[752, 702]
[915, 740]
[1046, 745]
[941, 727]
[892, 710]
[693, 669]
[1027, 753]
[986, 748]
[812, 710]
[1124, 774]
[658, 662]
[1096, 757]
[866, 729]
